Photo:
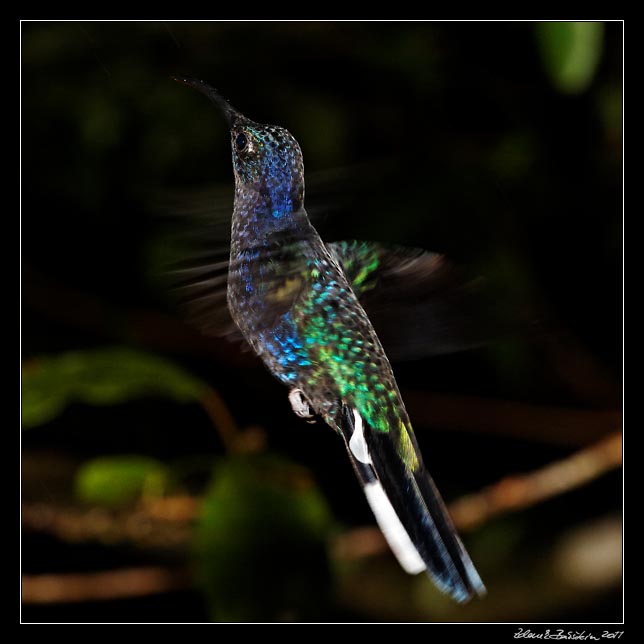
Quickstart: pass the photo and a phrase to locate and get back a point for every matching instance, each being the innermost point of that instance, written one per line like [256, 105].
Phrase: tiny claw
[300, 404]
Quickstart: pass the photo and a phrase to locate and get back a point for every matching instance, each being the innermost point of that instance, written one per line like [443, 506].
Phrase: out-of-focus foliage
[571, 52]
[100, 377]
[118, 481]
[261, 542]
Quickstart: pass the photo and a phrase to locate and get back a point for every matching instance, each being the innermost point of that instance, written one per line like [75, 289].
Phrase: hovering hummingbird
[298, 302]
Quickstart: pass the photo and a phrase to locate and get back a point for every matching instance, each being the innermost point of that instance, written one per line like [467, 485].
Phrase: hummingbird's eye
[241, 141]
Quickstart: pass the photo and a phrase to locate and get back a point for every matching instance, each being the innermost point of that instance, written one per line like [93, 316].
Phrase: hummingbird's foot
[300, 405]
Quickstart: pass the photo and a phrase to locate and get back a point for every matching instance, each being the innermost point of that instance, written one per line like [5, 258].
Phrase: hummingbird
[298, 303]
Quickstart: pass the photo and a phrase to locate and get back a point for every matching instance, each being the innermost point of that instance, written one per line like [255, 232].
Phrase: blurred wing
[191, 251]
[201, 291]
[417, 302]
[277, 275]
[193, 248]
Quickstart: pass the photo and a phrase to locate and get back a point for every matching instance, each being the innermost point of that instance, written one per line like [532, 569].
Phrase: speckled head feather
[266, 158]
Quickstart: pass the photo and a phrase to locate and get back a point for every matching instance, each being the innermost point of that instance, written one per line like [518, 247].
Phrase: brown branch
[157, 331]
[555, 425]
[113, 584]
[222, 419]
[165, 523]
[235, 440]
[507, 495]
[575, 366]
[519, 492]
[161, 524]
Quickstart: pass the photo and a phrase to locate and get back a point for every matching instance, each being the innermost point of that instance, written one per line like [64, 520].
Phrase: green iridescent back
[322, 341]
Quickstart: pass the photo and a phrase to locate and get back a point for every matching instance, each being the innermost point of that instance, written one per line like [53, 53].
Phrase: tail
[409, 510]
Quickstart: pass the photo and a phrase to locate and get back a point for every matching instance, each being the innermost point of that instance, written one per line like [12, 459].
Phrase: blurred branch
[576, 367]
[221, 418]
[78, 309]
[165, 523]
[577, 569]
[235, 440]
[507, 495]
[539, 423]
[522, 491]
[161, 524]
[115, 584]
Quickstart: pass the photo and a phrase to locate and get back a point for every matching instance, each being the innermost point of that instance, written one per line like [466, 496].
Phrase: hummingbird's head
[266, 158]
[265, 155]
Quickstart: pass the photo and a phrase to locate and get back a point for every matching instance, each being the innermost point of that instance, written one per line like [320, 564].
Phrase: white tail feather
[393, 530]
[357, 444]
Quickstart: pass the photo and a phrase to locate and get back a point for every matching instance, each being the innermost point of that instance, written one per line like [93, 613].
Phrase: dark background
[482, 141]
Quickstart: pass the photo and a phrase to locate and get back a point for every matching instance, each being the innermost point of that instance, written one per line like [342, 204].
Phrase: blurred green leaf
[261, 542]
[100, 377]
[570, 52]
[116, 481]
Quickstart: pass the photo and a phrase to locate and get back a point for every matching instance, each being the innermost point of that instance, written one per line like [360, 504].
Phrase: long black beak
[230, 113]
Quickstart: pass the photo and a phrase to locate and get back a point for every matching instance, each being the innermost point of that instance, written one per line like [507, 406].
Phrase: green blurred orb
[260, 542]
